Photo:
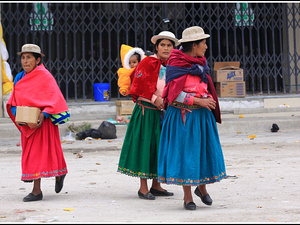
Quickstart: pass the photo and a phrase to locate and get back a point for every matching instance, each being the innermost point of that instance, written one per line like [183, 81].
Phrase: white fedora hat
[194, 33]
[31, 48]
[165, 35]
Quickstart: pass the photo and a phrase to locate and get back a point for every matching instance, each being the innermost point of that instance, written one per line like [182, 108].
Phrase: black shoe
[31, 197]
[28, 181]
[160, 193]
[147, 196]
[205, 199]
[189, 206]
[59, 184]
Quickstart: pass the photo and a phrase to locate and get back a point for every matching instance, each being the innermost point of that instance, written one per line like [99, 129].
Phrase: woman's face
[201, 48]
[164, 49]
[29, 62]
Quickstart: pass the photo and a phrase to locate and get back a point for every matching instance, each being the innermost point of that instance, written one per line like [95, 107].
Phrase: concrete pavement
[263, 183]
[263, 186]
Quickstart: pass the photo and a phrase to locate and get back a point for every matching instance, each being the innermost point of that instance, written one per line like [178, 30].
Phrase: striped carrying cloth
[60, 118]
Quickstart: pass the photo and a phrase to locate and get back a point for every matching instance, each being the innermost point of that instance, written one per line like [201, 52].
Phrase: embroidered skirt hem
[44, 174]
[188, 182]
[137, 174]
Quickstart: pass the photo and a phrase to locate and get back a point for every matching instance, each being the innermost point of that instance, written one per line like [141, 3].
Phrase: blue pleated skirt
[190, 153]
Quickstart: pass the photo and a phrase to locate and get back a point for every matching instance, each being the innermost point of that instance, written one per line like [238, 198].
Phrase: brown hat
[31, 48]
[194, 33]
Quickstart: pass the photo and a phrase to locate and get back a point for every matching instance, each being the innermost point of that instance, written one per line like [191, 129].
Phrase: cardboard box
[27, 115]
[124, 107]
[231, 89]
[228, 71]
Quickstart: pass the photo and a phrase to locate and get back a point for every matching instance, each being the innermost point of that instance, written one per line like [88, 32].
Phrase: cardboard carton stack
[124, 107]
[229, 79]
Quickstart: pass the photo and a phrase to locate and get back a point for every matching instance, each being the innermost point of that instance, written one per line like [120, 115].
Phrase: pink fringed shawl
[37, 89]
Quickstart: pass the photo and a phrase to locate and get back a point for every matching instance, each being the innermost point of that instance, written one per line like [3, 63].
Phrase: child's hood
[127, 51]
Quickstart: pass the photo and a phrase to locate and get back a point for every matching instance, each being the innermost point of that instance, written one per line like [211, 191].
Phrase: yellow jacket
[124, 80]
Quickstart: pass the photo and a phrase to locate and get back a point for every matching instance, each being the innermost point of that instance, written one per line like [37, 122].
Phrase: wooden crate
[124, 107]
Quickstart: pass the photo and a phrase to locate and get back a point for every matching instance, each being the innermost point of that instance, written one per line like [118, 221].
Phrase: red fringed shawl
[145, 78]
[37, 89]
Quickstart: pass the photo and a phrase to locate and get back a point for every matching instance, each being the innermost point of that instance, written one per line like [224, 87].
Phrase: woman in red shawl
[42, 155]
[190, 153]
[139, 153]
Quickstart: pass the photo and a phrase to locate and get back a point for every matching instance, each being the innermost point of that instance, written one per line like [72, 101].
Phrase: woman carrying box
[42, 154]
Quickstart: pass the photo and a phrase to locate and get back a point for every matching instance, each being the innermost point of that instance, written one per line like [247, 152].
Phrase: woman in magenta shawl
[42, 154]
[190, 152]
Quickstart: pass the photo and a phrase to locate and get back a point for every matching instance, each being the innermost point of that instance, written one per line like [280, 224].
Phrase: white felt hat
[31, 48]
[165, 35]
[194, 33]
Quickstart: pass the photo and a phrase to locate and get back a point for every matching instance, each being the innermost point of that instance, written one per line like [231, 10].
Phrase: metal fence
[82, 40]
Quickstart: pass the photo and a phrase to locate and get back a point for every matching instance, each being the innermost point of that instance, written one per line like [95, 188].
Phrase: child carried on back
[130, 58]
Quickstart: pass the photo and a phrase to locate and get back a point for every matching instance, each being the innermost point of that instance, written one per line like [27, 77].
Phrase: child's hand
[123, 93]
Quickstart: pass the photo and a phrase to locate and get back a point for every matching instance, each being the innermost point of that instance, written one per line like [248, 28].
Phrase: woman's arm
[208, 103]
[189, 99]
[185, 98]
[158, 102]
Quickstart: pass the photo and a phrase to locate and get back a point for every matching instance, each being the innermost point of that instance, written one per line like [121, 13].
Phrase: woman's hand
[40, 121]
[208, 103]
[159, 103]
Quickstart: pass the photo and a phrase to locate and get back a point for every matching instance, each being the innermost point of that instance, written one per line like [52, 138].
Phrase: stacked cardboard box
[124, 107]
[229, 79]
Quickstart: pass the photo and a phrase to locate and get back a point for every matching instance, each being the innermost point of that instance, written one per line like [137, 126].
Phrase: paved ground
[263, 186]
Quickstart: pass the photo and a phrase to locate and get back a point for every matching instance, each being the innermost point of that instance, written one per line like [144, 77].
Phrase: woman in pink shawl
[190, 152]
[42, 154]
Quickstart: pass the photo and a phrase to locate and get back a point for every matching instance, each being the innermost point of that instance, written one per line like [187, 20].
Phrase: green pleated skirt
[139, 153]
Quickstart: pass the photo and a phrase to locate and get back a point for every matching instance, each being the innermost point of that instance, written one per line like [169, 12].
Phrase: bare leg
[58, 178]
[156, 185]
[202, 188]
[143, 186]
[187, 194]
[36, 187]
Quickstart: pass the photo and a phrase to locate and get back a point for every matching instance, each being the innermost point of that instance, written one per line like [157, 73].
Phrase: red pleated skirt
[42, 154]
